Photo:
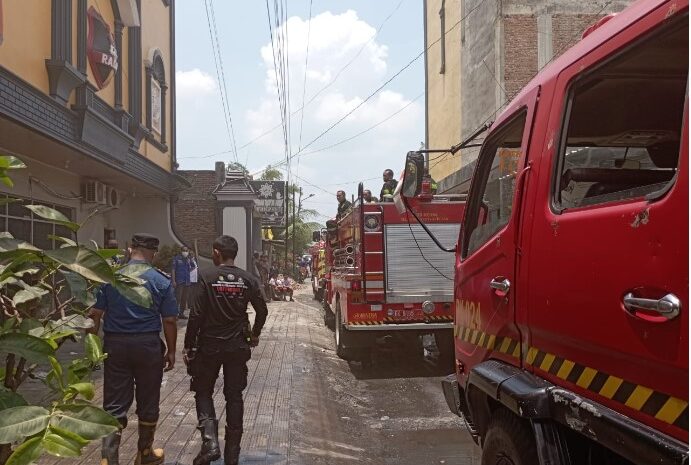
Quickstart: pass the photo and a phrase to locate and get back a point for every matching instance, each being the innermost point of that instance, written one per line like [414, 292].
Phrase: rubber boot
[210, 449]
[231, 453]
[110, 449]
[146, 454]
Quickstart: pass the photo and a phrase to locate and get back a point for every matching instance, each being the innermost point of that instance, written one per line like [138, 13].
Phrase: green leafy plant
[44, 299]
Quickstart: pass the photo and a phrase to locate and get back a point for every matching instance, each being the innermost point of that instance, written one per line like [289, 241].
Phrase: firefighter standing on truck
[135, 362]
[389, 186]
[219, 335]
[343, 204]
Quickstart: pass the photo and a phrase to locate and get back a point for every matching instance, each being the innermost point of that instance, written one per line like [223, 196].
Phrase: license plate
[410, 314]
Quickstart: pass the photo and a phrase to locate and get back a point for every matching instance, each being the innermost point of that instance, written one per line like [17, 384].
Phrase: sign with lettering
[101, 50]
[270, 202]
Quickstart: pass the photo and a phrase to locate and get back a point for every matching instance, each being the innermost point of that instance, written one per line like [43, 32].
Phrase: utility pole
[294, 230]
[285, 241]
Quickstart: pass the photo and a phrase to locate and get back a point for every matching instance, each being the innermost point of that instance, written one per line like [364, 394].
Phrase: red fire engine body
[319, 267]
[388, 278]
[571, 294]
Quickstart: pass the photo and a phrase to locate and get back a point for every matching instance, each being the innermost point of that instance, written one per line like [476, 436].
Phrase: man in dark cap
[218, 335]
[387, 190]
[136, 355]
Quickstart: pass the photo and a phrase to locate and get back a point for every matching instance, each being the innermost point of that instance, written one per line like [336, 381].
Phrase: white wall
[235, 224]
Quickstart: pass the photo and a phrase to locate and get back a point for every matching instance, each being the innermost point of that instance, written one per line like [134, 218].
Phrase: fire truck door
[608, 257]
[484, 292]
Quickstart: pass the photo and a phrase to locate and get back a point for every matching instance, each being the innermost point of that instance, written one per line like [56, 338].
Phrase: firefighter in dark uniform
[136, 355]
[219, 335]
[389, 186]
[343, 204]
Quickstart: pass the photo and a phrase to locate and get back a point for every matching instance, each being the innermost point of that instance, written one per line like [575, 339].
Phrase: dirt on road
[392, 412]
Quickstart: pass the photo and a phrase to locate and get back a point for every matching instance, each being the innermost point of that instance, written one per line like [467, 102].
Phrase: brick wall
[520, 51]
[567, 30]
[195, 215]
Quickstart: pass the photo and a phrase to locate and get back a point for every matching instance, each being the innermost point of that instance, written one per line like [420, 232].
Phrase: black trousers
[133, 369]
[205, 369]
[182, 292]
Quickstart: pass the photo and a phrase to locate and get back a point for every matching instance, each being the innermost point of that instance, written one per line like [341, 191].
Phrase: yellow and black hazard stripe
[439, 318]
[365, 323]
[661, 406]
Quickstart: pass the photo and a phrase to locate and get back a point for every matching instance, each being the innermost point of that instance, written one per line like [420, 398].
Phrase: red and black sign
[101, 51]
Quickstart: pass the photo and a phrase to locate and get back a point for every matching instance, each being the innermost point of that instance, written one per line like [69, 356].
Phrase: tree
[44, 298]
[271, 174]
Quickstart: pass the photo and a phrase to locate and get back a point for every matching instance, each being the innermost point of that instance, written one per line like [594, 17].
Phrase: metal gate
[416, 269]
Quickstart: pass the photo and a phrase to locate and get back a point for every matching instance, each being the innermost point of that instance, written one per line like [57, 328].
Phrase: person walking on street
[219, 335]
[389, 186]
[137, 357]
[343, 204]
[181, 270]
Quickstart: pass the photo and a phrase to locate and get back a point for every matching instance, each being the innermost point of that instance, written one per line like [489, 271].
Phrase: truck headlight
[428, 306]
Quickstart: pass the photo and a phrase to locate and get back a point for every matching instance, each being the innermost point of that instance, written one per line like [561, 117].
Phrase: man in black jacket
[219, 335]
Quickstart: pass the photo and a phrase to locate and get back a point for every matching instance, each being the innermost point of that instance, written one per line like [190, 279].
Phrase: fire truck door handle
[668, 306]
[502, 286]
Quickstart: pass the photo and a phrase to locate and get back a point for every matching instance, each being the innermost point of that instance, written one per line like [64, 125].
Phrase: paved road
[305, 406]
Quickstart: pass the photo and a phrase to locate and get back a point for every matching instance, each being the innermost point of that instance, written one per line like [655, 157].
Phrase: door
[484, 294]
[608, 262]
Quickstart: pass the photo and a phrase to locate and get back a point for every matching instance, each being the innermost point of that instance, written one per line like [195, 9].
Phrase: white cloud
[194, 84]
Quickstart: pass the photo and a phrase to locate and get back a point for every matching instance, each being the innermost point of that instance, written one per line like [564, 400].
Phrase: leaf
[6, 179]
[87, 421]
[16, 423]
[26, 453]
[60, 446]
[30, 324]
[9, 280]
[108, 253]
[57, 369]
[6, 234]
[135, 293]
[25, 295]
[69, 435]
[75, 321]
[64, 240]
[32, 348]
[86, 390]
[83, 261]
[5, 201]
[93, 348]
[12, 248]
[9, 162]
[134, 270]
[78, 286]
[53, 216]
[9, 399]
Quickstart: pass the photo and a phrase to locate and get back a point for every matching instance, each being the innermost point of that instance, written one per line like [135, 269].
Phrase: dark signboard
[271, 201]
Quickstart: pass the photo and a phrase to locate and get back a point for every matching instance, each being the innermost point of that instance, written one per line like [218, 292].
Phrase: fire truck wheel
[344, 352]
[509, 441]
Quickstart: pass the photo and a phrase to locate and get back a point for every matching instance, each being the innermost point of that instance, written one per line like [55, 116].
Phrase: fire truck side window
[623, 123]
[497, 168]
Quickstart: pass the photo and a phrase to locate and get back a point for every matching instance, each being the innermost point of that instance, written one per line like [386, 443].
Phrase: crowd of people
[385, 195]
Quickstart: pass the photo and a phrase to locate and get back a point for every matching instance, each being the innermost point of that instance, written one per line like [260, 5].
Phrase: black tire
[341, 339]
[329, 319]
[509, 441]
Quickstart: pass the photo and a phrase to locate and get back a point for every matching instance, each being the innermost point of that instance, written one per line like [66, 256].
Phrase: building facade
[87, 102]
[492, 48]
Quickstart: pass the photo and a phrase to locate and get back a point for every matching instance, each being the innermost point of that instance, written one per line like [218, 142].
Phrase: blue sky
[338, 31]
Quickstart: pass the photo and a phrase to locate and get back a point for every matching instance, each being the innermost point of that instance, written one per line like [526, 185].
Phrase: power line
[368, 129]
[304, 80]
[220, 73]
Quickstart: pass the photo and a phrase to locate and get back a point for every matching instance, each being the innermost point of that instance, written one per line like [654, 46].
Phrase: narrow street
[305, 406]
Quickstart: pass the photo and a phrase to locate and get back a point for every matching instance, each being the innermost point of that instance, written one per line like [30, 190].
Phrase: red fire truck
[387, 276]
[571, 286]
[319, 267]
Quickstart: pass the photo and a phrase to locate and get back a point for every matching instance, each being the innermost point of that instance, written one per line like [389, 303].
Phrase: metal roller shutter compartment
[409, 278]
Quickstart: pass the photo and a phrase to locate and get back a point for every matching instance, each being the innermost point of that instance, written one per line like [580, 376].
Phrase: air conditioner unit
[94, 192]
[113, 197]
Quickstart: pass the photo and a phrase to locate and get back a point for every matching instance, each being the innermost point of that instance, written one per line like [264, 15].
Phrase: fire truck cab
[571, 293]
[388, 279]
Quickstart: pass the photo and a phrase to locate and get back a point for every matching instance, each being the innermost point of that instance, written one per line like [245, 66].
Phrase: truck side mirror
[316, 236]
